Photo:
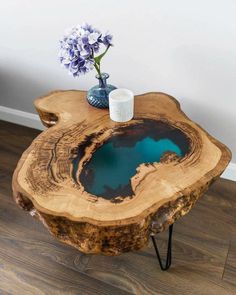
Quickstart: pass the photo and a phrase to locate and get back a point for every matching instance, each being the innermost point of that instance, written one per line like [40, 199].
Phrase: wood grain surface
[160, 192]
[33, 262]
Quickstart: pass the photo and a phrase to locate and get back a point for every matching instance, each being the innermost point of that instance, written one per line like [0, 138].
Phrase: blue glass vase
[98, 95]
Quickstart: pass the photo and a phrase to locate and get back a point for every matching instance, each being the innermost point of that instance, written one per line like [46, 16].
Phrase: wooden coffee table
[105, 187]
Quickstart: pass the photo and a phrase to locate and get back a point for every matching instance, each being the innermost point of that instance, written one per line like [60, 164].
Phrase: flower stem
[97, 67]
[97, 61]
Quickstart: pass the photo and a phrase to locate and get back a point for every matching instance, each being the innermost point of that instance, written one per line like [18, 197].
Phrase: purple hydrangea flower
[107, 40]
[79, 46]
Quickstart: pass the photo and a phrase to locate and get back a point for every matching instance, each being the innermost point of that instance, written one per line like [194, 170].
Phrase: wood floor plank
[30, 265]
[230, 265]
[223, 192]
[33, 262]
[204, 261]
[219, 221]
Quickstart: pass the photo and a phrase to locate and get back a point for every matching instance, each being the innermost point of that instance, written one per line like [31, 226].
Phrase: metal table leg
[167, 264]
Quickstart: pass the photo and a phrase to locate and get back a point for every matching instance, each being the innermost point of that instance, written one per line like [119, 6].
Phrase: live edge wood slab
[54, 178]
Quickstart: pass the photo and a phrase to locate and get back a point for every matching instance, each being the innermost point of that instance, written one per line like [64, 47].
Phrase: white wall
[184, 48]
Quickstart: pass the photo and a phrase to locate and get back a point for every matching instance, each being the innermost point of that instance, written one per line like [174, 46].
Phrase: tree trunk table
[105, 187]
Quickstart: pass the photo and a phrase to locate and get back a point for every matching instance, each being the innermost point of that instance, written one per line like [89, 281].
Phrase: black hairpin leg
[168, 255]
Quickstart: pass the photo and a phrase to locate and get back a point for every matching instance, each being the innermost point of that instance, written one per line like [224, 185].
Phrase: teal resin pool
[112, 165]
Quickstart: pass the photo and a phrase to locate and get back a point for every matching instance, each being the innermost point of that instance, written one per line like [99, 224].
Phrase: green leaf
[98, 58]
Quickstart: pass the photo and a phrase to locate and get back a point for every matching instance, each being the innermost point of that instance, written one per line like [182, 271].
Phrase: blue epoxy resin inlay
[112, 165]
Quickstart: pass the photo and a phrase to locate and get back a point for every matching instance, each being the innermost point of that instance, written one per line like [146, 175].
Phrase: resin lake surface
[112, 165]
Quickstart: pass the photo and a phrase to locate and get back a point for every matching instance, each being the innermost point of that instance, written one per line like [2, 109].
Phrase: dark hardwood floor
[33, 262]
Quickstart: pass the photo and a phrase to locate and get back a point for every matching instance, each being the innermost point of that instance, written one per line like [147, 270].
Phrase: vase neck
[102, 79]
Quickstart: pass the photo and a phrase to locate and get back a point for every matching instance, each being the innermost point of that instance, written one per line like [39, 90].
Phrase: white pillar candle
[121, 105]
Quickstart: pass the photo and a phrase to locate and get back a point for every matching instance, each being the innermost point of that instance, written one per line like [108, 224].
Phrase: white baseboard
[230, 172]
[20, 117]
[33, 121]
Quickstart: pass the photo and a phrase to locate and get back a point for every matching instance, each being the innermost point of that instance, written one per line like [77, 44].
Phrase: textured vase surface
[98, 95]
